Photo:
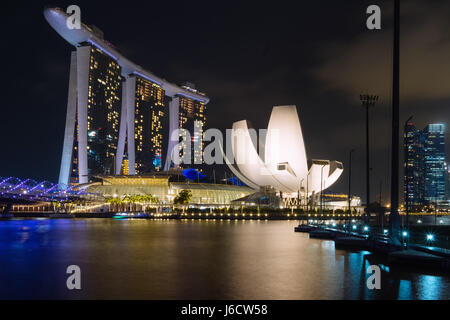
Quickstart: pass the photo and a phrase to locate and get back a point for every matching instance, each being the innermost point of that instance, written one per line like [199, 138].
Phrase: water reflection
[146, 259]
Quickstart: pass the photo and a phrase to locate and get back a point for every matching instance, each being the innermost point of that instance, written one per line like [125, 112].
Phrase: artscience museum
[281, 162]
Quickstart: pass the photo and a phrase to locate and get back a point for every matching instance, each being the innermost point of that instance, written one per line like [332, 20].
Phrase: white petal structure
[283, 164]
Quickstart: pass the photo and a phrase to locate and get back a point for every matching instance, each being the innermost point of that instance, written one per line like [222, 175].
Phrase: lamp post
[394, 217]
[307, 192]
[321, 189]
[350, 184]
[381, 208]
[435, 203]
[367, 102]
[298, 194]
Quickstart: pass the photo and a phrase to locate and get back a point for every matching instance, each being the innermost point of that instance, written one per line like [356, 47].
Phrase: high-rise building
[188, 115]
[192, 119]
[117, 112]
[143, 125]
[150, 117]
[104, 91]
[425, 166]
[413, 166]
[434, 163]
[92, 123]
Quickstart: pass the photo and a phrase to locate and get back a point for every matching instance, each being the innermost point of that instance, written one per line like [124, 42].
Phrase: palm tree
[183, 197]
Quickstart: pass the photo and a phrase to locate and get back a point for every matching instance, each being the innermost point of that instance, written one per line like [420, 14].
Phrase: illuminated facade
[413, 166]
[92, 121]
[150, 116]
[425, 166]
[104, 93]
[284, 165]
[192, 118]
[166, 190]
[117, 110]
[434, 163]
[187, 115]
[142, 126]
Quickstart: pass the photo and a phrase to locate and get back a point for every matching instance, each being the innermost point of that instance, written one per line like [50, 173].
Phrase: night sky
[247, 57]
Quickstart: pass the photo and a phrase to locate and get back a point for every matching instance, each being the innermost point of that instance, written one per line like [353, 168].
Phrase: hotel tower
[120, 117]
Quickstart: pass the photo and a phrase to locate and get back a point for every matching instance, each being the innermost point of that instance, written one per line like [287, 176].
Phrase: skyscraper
[425, 166]
[117, 111]
[150, 117]
[434, 163]
[92, 122]
[413, 166]
[189, 116]
[142, 126]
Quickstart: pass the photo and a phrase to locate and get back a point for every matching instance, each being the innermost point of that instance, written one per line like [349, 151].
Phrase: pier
[409, 255]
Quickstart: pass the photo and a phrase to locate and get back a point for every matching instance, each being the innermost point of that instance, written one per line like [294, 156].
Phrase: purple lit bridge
[28, 191]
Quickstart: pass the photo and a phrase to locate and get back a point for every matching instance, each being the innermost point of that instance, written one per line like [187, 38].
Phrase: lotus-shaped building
[282, 162]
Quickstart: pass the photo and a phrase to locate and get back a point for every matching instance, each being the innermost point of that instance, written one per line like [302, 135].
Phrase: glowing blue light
[334, 224]
[190, 97]
[192, 174]
[385, 231]
[354, 227]
[430, 237]
[102, 49]
[147, 77]
[405, 234]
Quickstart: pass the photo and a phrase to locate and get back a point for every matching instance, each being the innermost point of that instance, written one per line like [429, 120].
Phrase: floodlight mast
[394, 218]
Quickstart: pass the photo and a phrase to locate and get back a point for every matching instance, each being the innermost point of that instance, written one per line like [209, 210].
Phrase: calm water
[145, 259]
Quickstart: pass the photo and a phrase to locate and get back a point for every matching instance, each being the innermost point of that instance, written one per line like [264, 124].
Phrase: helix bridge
[15, 190]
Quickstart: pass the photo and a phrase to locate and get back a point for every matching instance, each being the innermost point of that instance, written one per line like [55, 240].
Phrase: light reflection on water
[147, 259]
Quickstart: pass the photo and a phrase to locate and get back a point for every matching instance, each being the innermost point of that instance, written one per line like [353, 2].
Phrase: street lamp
[350, 184]
[367, 101]
[307, 192]
[298, 194]
[406, 173]
[436, 202]
[321, 188]
[394, 218]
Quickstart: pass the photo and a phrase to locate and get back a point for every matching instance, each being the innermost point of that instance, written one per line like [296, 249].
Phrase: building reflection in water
[185, 259]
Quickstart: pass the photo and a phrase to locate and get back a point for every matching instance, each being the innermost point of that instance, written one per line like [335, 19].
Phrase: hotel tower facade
[120, 117]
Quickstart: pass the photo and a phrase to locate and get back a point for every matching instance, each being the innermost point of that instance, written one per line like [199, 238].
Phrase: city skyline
[240, 87]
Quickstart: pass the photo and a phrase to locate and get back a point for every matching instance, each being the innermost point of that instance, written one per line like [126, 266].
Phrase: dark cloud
[366, 63]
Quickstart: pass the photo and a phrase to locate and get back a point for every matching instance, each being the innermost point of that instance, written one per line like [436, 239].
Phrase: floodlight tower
[394, 217]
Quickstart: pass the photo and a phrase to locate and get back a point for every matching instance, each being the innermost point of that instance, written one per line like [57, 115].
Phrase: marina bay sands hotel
[119, 116]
